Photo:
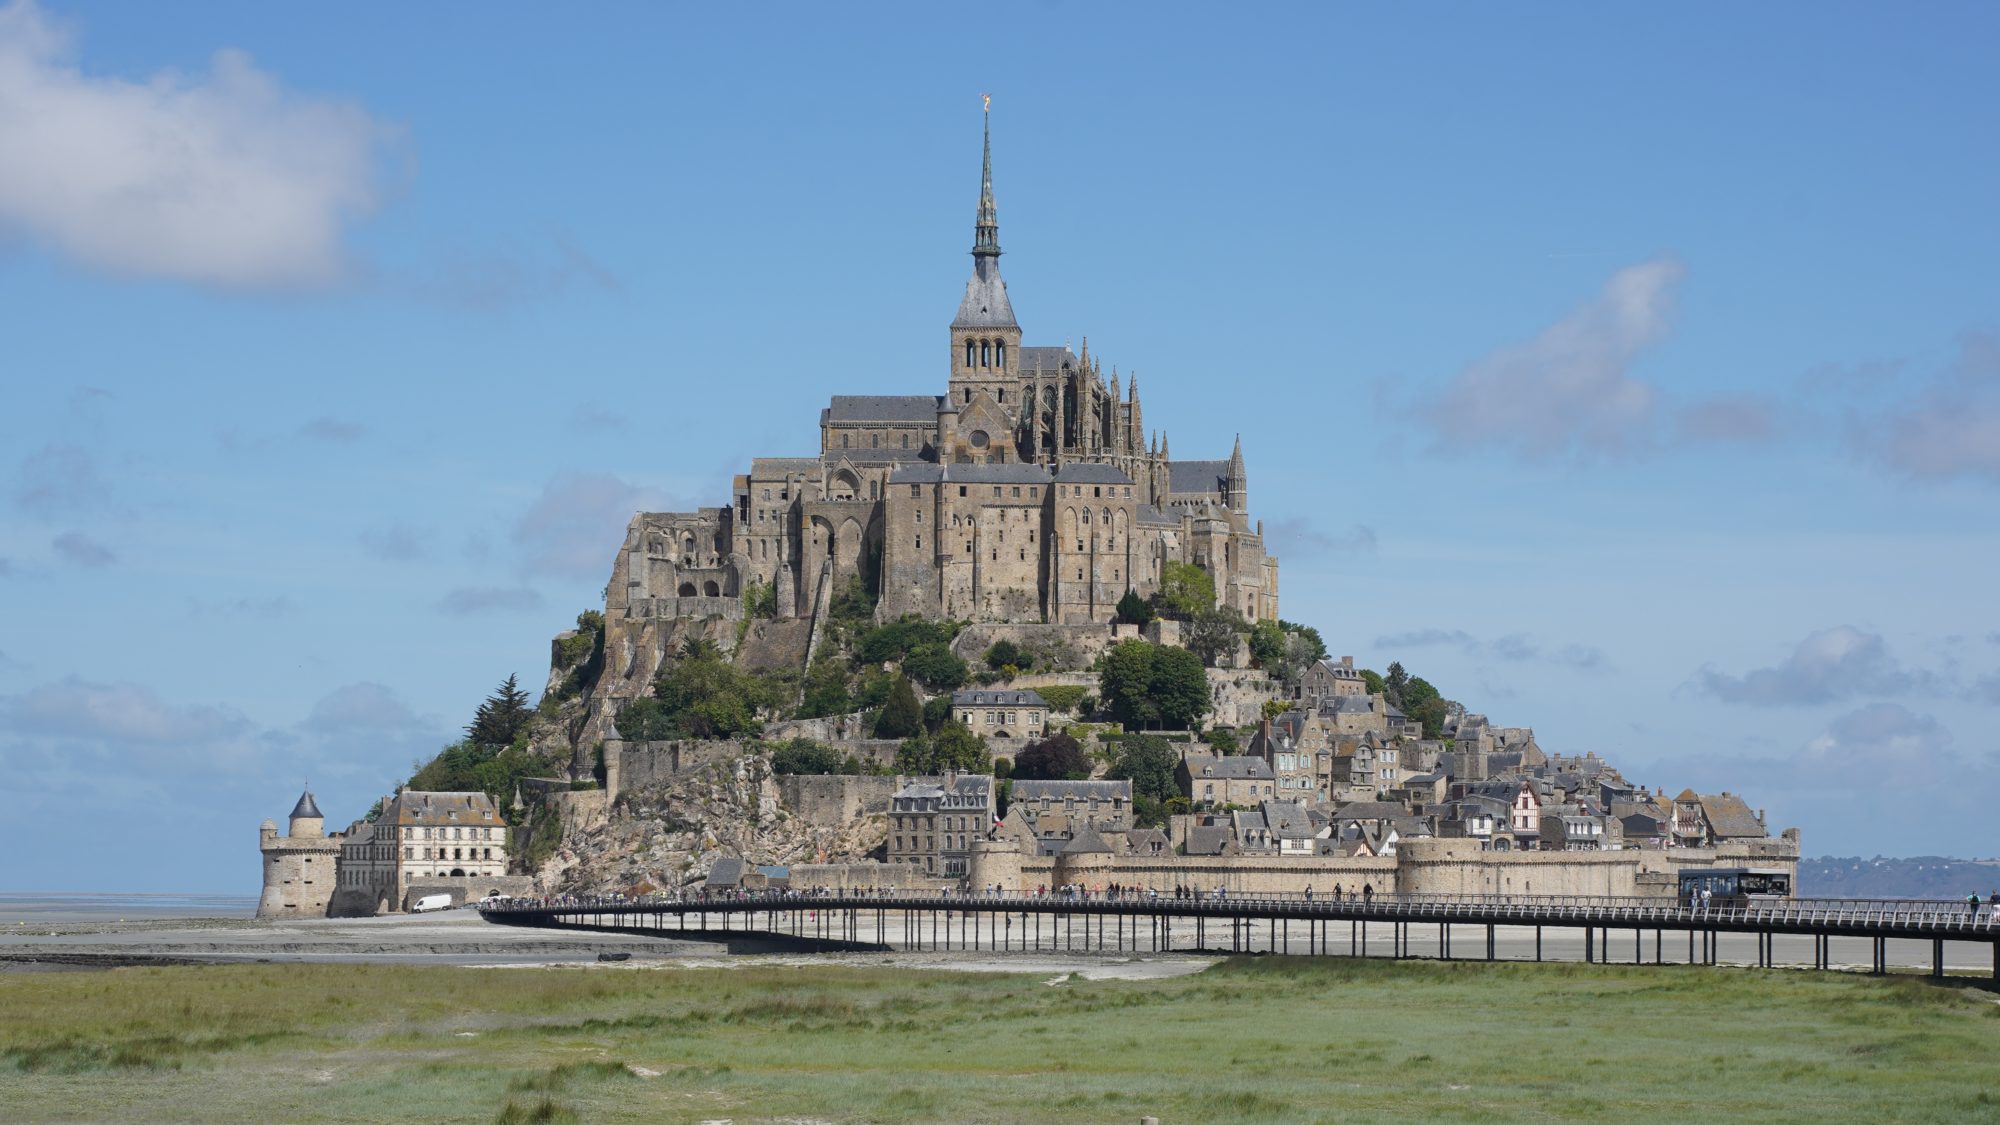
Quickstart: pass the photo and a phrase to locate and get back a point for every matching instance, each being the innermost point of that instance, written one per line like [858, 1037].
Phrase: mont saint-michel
[681, 563]
[995, 637]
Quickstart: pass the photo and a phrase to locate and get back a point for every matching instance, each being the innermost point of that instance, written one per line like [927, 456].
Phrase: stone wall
[1240, 694]
[630, 765]
[468, 888]
[834, 800]
[865, 876]
[1088, 640]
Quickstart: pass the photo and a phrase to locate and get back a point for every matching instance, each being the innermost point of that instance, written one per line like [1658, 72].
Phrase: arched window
[968, 353]
[687, 589]
[710, 589]
[1000, 355]
[985, 354]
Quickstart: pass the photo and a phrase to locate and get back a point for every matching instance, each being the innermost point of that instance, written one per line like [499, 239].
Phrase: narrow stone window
[1000, 360]
[985, 354]
[968, 353]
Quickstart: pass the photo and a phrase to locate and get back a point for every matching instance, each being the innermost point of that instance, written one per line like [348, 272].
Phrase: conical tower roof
[306, 807]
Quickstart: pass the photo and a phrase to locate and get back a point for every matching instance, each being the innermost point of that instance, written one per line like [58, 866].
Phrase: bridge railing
[1909, 914]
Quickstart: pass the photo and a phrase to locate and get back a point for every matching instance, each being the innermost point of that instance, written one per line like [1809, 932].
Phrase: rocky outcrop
[668, 833]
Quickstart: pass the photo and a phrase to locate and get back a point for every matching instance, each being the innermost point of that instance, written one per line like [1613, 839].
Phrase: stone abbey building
[1029, 491]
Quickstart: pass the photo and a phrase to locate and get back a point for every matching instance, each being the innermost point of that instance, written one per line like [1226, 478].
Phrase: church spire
[985, 304]
[986, 228]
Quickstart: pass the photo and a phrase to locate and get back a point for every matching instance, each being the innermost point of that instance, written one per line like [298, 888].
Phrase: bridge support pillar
[1589, 944]
[1937, 957]
[1492, 940]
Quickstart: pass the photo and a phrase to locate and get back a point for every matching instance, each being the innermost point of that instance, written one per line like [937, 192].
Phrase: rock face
[668, 834]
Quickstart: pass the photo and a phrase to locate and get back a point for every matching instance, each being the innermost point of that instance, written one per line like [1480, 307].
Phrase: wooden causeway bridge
[1399, 926]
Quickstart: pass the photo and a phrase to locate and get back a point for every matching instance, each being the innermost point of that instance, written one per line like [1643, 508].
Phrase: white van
[431, 902]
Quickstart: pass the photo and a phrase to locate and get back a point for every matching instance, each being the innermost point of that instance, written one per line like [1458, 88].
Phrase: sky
[1630, 373]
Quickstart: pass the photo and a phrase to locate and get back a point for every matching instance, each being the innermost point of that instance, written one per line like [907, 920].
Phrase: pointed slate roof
[306, 807]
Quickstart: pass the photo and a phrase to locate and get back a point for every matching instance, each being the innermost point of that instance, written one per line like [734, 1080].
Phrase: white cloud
[1514, 648]
[1743, 419]
[397, 542]
[60, 480]
[222, 179]
[575, 525]
[79, 549]
[1568, 389]
[1950, 429]
[1828, 666]
[1879, 740]
[333, 430]
[1302, 534]
[467, 600]
[121, 712]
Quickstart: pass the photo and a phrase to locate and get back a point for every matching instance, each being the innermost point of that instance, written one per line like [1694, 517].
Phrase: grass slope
[1267, 1039]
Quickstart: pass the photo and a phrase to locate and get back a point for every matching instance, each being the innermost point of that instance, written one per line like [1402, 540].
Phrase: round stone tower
[300, 869]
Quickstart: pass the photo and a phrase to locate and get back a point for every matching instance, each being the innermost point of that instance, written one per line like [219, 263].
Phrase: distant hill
[1924, 876]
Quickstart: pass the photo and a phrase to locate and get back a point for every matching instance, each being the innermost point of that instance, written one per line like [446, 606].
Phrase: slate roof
[1351, 705]
[1148, 514]
[762, 468]
[1048, 360]
[1288, 820]
[1370, 810]
[985, 304]
[1087, 841]
[1235, 766]
[1081, 790]
[1140, 841]
[1196, 476]
[725, 872]
[412, 807]
[1091, 474]
[882, 408]
[1207, 840]
[1728, 817]
[927, 473]
[306, 807]
[980, 697]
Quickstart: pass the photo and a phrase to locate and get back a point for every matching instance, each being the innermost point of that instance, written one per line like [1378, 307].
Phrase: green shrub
[1063, 697]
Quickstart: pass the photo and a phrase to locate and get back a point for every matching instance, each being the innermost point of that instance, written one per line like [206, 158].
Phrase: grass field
[1265, 1039]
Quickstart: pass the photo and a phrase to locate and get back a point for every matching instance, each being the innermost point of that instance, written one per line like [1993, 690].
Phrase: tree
[902, 716]
[1224, 740]
[935, 667]
[1373, 679]
[826, 688]
[803, 755]
[953, 747]
[501, 717]
[1057, 757]
[1394, 683]
[1213, 633]
[1146, 684]
[1185, 590]
[1148, 762]
[1315, 643]
[1267, 644]
[1133, 609]
[1006, 654]
[704, 696]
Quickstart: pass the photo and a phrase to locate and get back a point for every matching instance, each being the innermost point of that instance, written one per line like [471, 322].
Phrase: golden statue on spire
[986, 102]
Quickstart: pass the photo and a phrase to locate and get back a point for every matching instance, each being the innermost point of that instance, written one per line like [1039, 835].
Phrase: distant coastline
[98, 906]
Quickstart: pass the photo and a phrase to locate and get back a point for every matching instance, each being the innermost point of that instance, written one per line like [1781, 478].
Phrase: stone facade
[933, 822]
[1028, 491]
[448, 839]
[300, 868]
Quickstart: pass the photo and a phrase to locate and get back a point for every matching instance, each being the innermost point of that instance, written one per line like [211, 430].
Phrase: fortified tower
[299, 868]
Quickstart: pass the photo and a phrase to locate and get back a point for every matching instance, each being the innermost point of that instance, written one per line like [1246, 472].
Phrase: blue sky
[1632, 374]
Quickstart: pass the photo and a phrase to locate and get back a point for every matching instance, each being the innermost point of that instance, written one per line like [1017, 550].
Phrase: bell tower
[985, 340]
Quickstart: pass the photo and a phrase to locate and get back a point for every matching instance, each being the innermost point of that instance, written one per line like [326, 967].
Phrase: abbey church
[1029, 491]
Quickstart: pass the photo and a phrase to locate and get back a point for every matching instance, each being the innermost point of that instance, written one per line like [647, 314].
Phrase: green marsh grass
[1252, 1040]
